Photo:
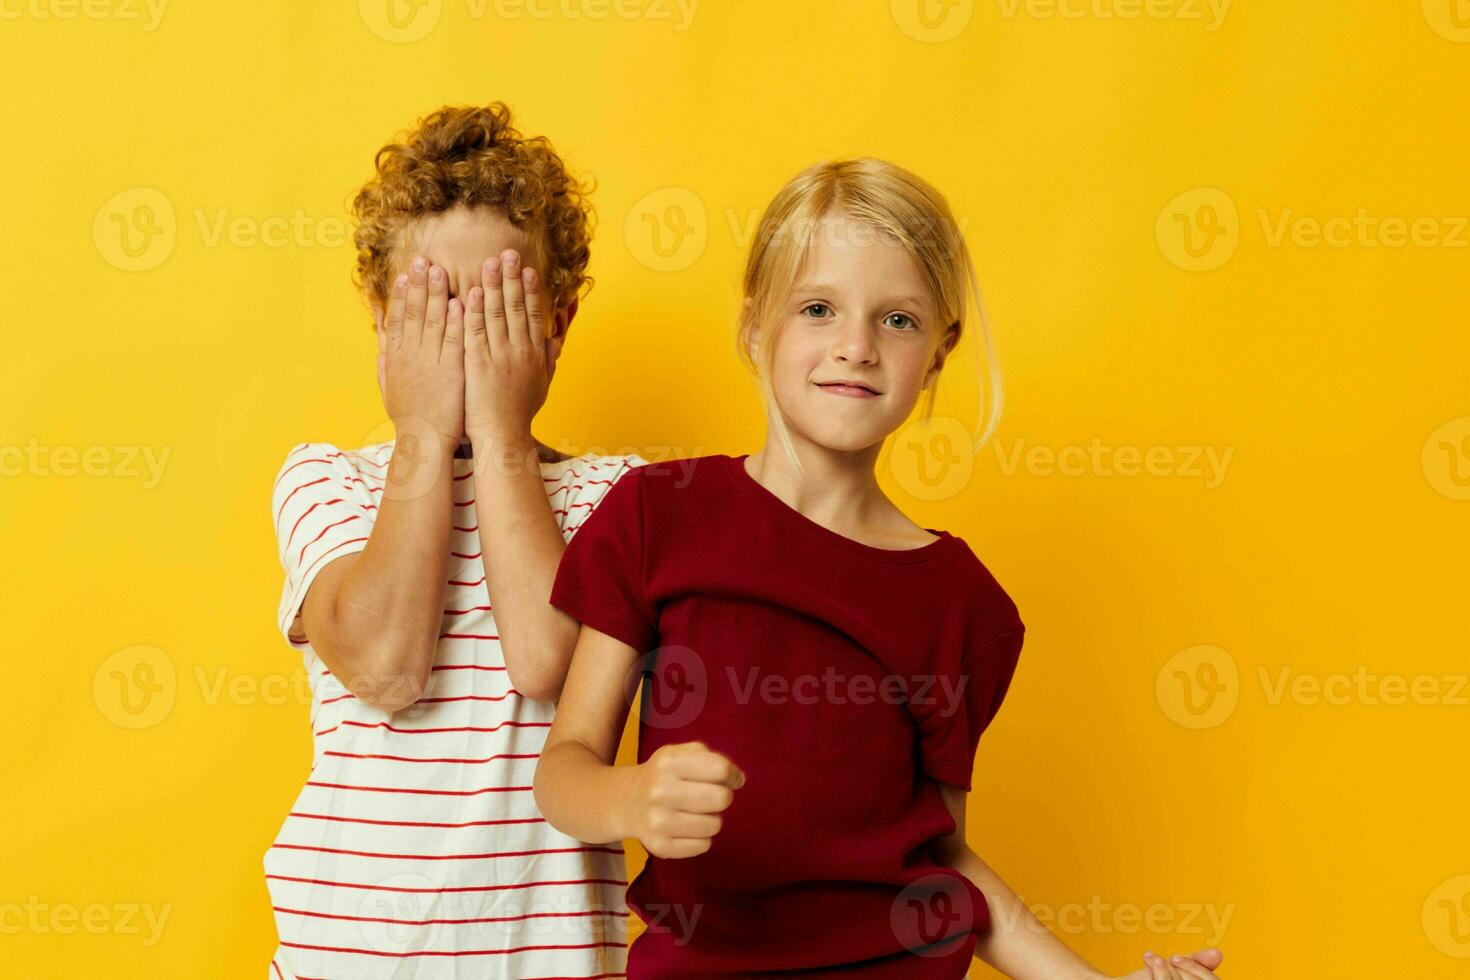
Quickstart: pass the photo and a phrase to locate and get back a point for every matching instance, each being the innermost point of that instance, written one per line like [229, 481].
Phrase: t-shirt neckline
[945, 544]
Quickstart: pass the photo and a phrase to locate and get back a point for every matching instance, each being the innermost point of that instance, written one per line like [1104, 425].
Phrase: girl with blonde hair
[817, 668]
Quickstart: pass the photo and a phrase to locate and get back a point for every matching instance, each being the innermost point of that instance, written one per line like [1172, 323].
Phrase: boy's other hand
[421, 353]
[508, 360]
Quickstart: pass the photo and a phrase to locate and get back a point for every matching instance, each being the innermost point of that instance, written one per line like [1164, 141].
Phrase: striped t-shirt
[415, 849]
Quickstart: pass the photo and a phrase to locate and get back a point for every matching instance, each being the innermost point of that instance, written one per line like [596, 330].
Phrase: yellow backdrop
[1225, 250]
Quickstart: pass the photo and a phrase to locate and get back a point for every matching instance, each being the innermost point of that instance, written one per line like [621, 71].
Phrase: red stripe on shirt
[457, 952]
[449, 922]
[416, 823]
[410, 758]
[589, 849]
[455, 889]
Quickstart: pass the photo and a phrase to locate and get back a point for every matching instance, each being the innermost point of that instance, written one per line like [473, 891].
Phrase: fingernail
[419, 263]
[436, 274]
[1176, 959]
[401, 281]
[512, 263]
[530, 277]
[476, 294]
[492, 265]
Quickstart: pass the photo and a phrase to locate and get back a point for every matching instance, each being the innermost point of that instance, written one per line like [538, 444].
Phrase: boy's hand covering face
[420, 352]
[508, 359]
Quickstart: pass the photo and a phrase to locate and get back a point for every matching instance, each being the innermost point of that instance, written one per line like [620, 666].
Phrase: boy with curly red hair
[417, 572]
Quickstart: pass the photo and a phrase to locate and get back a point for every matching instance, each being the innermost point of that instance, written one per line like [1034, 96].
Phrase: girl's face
[860, 313]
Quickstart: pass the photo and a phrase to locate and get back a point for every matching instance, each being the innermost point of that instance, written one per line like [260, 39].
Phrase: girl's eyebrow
[822, 287]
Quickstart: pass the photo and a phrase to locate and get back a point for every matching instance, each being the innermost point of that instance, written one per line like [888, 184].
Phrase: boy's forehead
[463, 235]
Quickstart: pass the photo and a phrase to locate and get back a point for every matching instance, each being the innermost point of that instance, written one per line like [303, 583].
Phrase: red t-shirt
[840, 677]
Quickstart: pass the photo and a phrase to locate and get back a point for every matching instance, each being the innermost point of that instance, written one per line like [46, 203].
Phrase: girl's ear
[748, 334]
[946, 345]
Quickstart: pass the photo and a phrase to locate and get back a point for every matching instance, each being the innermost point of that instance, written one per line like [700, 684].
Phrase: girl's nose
[854, 342]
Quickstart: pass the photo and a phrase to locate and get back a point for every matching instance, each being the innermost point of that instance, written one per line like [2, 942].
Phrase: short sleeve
[585, 483]
[323, 510]
[599, 581]
[965, 699]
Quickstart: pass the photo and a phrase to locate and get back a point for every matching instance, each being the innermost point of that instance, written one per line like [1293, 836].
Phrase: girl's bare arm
[1018, 944]
[670, 803]
[579, 788]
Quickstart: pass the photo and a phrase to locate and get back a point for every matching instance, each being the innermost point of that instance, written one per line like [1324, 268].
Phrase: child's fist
[679, 794]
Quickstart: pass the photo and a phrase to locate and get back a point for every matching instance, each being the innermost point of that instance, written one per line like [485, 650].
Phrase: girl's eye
[905, 321]
[819, 307]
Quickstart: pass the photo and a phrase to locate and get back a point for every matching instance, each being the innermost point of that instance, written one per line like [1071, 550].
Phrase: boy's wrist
[410, 427]
[423, 457]
[514, 437]
[504, 452]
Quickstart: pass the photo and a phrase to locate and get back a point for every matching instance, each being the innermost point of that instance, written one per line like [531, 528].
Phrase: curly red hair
[473, 156]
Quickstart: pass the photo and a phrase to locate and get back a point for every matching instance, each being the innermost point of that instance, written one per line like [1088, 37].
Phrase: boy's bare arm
[508, 369]
[374, 617]
[521, 544]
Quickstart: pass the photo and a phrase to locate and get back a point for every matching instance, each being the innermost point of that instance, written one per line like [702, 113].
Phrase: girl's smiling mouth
[850, 389]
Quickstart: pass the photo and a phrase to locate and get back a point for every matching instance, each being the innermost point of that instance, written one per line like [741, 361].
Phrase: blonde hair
[895, 201]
